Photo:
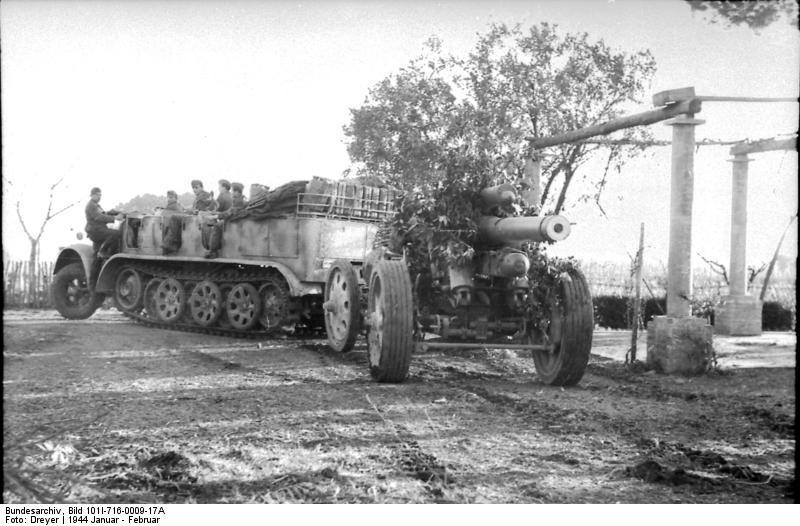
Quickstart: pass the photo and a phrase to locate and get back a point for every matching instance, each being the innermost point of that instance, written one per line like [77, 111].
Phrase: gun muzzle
[509, 231]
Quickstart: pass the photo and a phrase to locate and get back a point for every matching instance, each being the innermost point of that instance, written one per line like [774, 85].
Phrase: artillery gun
[484, 303]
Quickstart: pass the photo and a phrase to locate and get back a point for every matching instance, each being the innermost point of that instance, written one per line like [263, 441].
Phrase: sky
[143, 96]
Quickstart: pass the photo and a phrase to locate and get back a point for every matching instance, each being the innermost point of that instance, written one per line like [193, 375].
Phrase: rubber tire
[390, 345]
[567, 365]
[175, 285]
[211, 289]
[343, 276]
[58, 290]
[136, 305]
[256, 312]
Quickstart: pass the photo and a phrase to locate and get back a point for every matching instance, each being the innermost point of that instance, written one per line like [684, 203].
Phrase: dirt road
[109, 411]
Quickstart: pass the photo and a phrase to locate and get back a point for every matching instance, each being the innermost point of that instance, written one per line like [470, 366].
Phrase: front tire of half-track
[390, 337]
[566, 361]
[71, 294]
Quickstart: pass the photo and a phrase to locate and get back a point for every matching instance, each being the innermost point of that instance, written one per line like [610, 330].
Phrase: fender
[105, 282]
[78, 252]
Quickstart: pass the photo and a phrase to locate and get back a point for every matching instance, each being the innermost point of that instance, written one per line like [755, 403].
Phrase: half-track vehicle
[269, 269]
[316, 254]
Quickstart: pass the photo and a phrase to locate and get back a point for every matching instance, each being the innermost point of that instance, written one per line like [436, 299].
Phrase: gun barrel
[515, 230]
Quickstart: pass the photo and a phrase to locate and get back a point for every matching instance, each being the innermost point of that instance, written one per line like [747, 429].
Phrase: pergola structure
[679, 342]
[739, 314]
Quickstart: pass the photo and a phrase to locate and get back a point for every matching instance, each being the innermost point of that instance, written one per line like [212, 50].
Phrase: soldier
[224, 197]
[172, 202]
[97, 219]
[238, 200]
[203, 201]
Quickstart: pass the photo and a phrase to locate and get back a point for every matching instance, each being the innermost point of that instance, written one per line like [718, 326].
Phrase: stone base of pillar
[679, 345]
[738, 316]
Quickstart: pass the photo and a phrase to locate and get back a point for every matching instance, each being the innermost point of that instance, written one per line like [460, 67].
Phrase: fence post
[637, 300]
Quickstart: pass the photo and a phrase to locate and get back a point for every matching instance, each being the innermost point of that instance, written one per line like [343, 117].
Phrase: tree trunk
[32, 293]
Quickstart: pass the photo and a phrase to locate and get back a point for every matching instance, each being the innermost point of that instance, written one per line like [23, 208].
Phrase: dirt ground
[106, 410]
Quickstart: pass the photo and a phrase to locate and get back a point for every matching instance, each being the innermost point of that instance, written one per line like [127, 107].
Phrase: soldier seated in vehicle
[105, 240]
[203, 201]
[172, 202]
[224, 199]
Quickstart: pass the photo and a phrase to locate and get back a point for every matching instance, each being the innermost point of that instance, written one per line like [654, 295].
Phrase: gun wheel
[169, 300]
[390, 336]
[205, 303]
[128, 290]
[243, 306]
[342, 307]
[569, 339]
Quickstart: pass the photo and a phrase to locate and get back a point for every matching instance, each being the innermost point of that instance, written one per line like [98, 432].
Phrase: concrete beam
[639, 119]
[768, 145]
[663, 98]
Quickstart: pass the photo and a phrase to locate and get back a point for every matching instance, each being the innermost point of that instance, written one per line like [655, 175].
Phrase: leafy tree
[757, 14]
[444, 126]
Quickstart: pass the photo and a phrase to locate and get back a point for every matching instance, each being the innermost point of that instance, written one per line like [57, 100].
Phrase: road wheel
[224, 290]
[149, 298]
[170, 300]
[205, 303]
[342, 307]
[243, 306]
[128, 290]
[71, 294]
[274, 295]
[390, 337]
[569, 339]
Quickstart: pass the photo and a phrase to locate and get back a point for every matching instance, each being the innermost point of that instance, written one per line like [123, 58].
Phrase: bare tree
[34, 240]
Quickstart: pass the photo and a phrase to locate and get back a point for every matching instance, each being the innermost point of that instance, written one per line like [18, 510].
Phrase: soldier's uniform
[224, 200]
[204, 202]
[96, 221]
[238, 202]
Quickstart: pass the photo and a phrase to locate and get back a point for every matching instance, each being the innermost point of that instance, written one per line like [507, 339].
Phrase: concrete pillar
[679, 273]
[738, 266]
[677, 342]
[737, 313]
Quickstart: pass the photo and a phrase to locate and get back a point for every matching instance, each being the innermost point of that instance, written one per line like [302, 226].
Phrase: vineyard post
[639, 263]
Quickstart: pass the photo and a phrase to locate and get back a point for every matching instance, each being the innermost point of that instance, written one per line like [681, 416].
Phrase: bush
[611, 312]
[776, 317]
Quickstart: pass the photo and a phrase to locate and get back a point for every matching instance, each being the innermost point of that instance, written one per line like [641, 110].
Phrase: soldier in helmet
[97, 220]
[203, 201]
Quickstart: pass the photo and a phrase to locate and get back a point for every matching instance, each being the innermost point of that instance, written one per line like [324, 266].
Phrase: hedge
[613, 312]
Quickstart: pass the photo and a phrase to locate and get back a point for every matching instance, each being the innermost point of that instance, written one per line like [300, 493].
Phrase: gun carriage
[315, 254]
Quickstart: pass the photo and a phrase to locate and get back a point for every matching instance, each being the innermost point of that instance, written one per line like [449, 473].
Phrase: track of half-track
[222, 275]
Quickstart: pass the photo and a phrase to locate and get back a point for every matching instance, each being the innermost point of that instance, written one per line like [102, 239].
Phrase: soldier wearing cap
[97, 220]
[172, 202]
[203, 201]
[224, 198]
[238, 200]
